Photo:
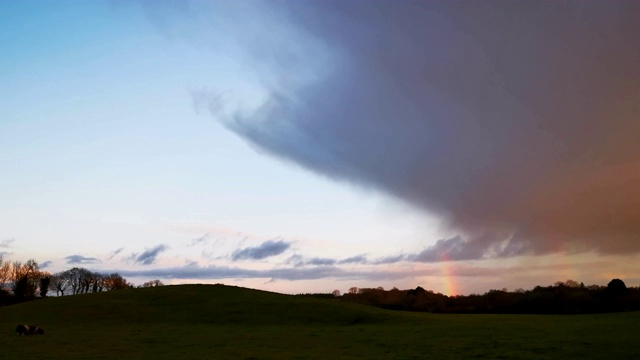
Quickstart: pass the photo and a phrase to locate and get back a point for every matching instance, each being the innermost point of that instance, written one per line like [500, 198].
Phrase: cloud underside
[516, 122]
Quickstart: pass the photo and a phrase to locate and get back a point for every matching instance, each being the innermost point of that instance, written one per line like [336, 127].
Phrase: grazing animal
[29, 330]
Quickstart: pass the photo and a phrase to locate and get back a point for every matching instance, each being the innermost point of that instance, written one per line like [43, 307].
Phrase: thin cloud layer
[267, 249]
[298, 260]
[194, 271]
[79, 259]
[516, 122]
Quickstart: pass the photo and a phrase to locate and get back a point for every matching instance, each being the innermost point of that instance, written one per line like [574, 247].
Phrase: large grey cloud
[516, 122]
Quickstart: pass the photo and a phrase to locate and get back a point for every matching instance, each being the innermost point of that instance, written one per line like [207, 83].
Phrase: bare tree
[115, 282]
[5, 273]
[98, 282]
[26, 279]
[152, 283]
[61, 282]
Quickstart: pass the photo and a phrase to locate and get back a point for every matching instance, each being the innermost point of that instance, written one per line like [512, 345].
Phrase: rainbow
[450, 283]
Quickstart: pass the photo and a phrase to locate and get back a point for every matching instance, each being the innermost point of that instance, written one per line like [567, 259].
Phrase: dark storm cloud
[148, 257]
[79, 259]
[266, 249]
[515, 121]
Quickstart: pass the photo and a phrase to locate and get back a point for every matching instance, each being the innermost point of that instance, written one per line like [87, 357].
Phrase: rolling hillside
[222, 322]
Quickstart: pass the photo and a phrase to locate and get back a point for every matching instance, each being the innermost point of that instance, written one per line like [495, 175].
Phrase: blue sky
[291, 146]
[106, 151]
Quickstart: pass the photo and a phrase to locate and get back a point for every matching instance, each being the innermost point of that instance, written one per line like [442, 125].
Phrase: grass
[222, 322]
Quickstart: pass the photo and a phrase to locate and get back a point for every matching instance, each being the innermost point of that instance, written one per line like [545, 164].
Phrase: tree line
[26, 281]
[563, 297]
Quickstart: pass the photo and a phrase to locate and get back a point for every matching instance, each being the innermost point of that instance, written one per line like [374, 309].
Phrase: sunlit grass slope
[221, 322]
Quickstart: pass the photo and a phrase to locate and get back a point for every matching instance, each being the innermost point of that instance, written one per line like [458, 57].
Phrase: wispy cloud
[114, 253]
[45, 264]
[148, 257]
[79, 259]
[267, 249]
[201, 239]
[6, 243]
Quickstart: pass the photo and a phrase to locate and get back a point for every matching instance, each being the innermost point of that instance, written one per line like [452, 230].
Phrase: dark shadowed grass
[220, 322]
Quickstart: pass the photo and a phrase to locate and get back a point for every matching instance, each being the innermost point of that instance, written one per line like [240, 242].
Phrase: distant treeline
[25, 281]
[568, 297]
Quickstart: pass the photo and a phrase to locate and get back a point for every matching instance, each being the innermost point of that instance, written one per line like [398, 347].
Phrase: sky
[307, 146]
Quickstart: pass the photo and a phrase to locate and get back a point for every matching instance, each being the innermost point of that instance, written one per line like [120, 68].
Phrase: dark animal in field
[29, 330]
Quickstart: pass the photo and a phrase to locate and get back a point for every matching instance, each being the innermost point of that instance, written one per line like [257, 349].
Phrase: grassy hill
[222, 322]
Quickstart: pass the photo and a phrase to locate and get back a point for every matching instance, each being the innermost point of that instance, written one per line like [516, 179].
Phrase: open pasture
[222, 322]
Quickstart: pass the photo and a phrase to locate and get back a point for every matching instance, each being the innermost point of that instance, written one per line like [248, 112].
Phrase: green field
[222, 322]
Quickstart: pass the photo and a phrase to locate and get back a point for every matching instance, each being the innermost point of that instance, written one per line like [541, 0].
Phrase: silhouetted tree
[97, 282]
[5, 273]
[61, 282]
[45, 281]
[116, 282]
[568, 297]
[616, 287]
[152, 283]
[22, 290]
[26, 278]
